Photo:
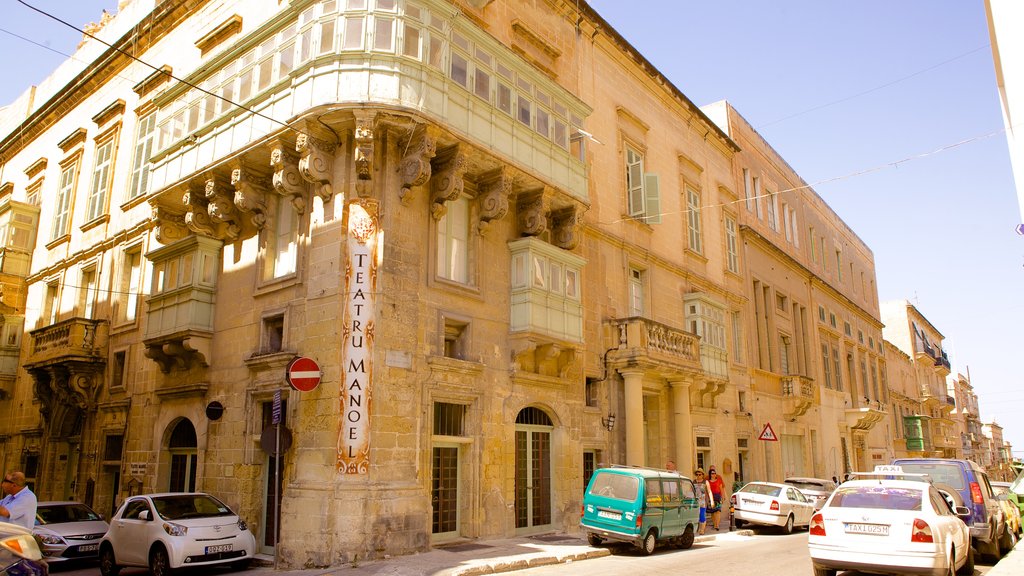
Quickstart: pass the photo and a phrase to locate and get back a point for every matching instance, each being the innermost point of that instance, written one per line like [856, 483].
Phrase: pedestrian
[702, 491]
[19, 503]
[671, 466]
[717, 488]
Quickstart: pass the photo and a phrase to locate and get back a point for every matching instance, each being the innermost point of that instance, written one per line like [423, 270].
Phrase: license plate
[218, 548]
[609, 515]
[89, 548]
[876, 529]
[749, 502]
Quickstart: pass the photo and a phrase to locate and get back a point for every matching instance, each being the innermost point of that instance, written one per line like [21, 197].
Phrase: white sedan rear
[771, 504]
[888, 525]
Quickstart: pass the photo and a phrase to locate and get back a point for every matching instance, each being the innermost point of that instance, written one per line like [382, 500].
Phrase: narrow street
[764, 554]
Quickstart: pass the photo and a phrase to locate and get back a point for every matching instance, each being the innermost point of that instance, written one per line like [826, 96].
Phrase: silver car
[816, 490]
[68, 531]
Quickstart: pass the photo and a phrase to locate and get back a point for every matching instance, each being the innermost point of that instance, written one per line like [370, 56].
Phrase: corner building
[498, 230]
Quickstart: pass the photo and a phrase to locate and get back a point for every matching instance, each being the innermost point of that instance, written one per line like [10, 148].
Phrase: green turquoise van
[642, 506]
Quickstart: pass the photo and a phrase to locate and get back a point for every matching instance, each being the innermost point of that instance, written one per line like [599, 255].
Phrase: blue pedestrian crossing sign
[768, 434]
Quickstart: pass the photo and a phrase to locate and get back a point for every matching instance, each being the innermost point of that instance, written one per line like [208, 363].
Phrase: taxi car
[888, 521]
[771, 504]
[1010, 503]
[165, 532]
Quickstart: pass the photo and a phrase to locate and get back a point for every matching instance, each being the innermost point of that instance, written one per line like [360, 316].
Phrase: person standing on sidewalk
[19, 503]
[702, 491]
[717, 488]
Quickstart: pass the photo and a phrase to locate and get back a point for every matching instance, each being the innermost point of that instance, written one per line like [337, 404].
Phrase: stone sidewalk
[471, 558]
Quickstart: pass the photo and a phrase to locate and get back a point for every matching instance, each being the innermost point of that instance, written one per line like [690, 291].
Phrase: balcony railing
[69, 339]
[799, 394]
[645, 341]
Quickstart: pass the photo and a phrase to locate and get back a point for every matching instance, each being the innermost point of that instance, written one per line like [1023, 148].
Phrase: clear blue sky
[837, 88]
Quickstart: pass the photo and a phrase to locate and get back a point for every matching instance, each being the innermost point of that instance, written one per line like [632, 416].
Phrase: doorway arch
[533, 469]
[184, 456]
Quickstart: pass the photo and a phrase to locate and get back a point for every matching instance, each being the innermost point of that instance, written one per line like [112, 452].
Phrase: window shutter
[653, 197]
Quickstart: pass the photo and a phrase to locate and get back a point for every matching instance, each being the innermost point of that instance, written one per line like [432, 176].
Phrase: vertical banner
[360, 301]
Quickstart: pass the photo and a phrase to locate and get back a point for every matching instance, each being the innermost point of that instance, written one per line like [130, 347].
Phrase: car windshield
[806, 484]
[763, 489]
[878, 497]
[180, 507]
[615, 486]
[59, 513]
[949, 474]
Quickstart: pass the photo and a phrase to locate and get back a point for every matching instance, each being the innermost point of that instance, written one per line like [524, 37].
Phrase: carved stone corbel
[565, 224]
[197, 216]
[495, 190]
[363, 136]
[250, 195]
[286, 180]
[316, 161]
[533, 211]
[414, 168]
[169, 225]
[220, 199]
[449, 167]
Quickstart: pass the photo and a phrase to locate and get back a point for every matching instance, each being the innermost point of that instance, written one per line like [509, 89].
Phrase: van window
[653, 491]
[615, 486]
[949, 474]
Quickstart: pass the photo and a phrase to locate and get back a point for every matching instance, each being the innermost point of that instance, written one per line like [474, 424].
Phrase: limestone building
[514, 248]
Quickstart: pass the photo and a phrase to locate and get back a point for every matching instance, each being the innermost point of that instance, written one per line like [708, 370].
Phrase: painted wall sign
[361, 257]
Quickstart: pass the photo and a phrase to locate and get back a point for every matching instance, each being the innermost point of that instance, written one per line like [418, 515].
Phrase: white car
[890, 523]
[164, 532]
[771, 504]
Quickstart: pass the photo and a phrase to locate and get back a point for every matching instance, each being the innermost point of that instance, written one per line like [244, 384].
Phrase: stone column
[634, 420]
[683, 425]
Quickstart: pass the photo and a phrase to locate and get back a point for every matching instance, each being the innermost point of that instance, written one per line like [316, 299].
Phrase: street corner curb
[502, 566]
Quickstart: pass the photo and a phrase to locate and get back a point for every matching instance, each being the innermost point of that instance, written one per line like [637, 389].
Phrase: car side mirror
[144, 515]
[962, 511]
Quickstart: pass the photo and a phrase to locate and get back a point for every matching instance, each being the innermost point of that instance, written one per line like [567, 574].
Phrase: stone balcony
[76, 339]
[644, 343]
[800, 395]
[864, 418]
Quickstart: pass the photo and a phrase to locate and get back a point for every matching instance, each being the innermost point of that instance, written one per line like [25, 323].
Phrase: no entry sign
[303, 374]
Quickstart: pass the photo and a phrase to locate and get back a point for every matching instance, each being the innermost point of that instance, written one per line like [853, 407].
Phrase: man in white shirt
[19, 503]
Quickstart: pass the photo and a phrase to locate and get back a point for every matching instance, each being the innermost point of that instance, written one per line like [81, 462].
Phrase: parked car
[642, 506]
[1010, 503]
[69, 531]
[164, 532]
[890, 522]
[816, 490]
[771, 504]
[1017, 490]
[969, 486]
[19, 552]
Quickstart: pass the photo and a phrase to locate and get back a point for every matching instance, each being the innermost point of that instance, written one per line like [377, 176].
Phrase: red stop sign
[303, 374]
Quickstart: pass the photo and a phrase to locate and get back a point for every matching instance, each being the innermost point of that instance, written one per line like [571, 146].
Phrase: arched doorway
[184, 457]
[533, 468]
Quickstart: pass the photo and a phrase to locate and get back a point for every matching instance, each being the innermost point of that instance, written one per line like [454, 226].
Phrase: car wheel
[686, 540]
[647, 547]
[1006, 540]
[159, 563]
[788, 528]
[819, 571]
[108, 564]
[740, 523]
[594, 540]
[968, 568]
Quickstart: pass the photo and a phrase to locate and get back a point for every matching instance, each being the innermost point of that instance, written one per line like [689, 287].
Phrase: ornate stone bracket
[220, 199]
[533, 211]
[495, 190]
[170, 227]
[364, 153]
[566, 224]
[414, 168]
[545, 359]
[179, 353]
[250, 195]
[66, 392]
[316, 162]
[286, 180]
[197, 216]
[449, 166]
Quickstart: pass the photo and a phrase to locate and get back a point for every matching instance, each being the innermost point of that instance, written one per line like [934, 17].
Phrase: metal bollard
[732, 519]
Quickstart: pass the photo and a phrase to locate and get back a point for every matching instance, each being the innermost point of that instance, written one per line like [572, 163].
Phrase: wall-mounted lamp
[608, 422]
[726, 412]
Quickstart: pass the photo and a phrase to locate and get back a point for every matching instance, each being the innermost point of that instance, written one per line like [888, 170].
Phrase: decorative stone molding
[495, 190]
[449, 167]
[198, 212]
[316, 160]
[566, 224]
[414, 168]
[286, 180]
[364, 153]
[181, 353]
[170, 226]
[533, 211]
[250, 195]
